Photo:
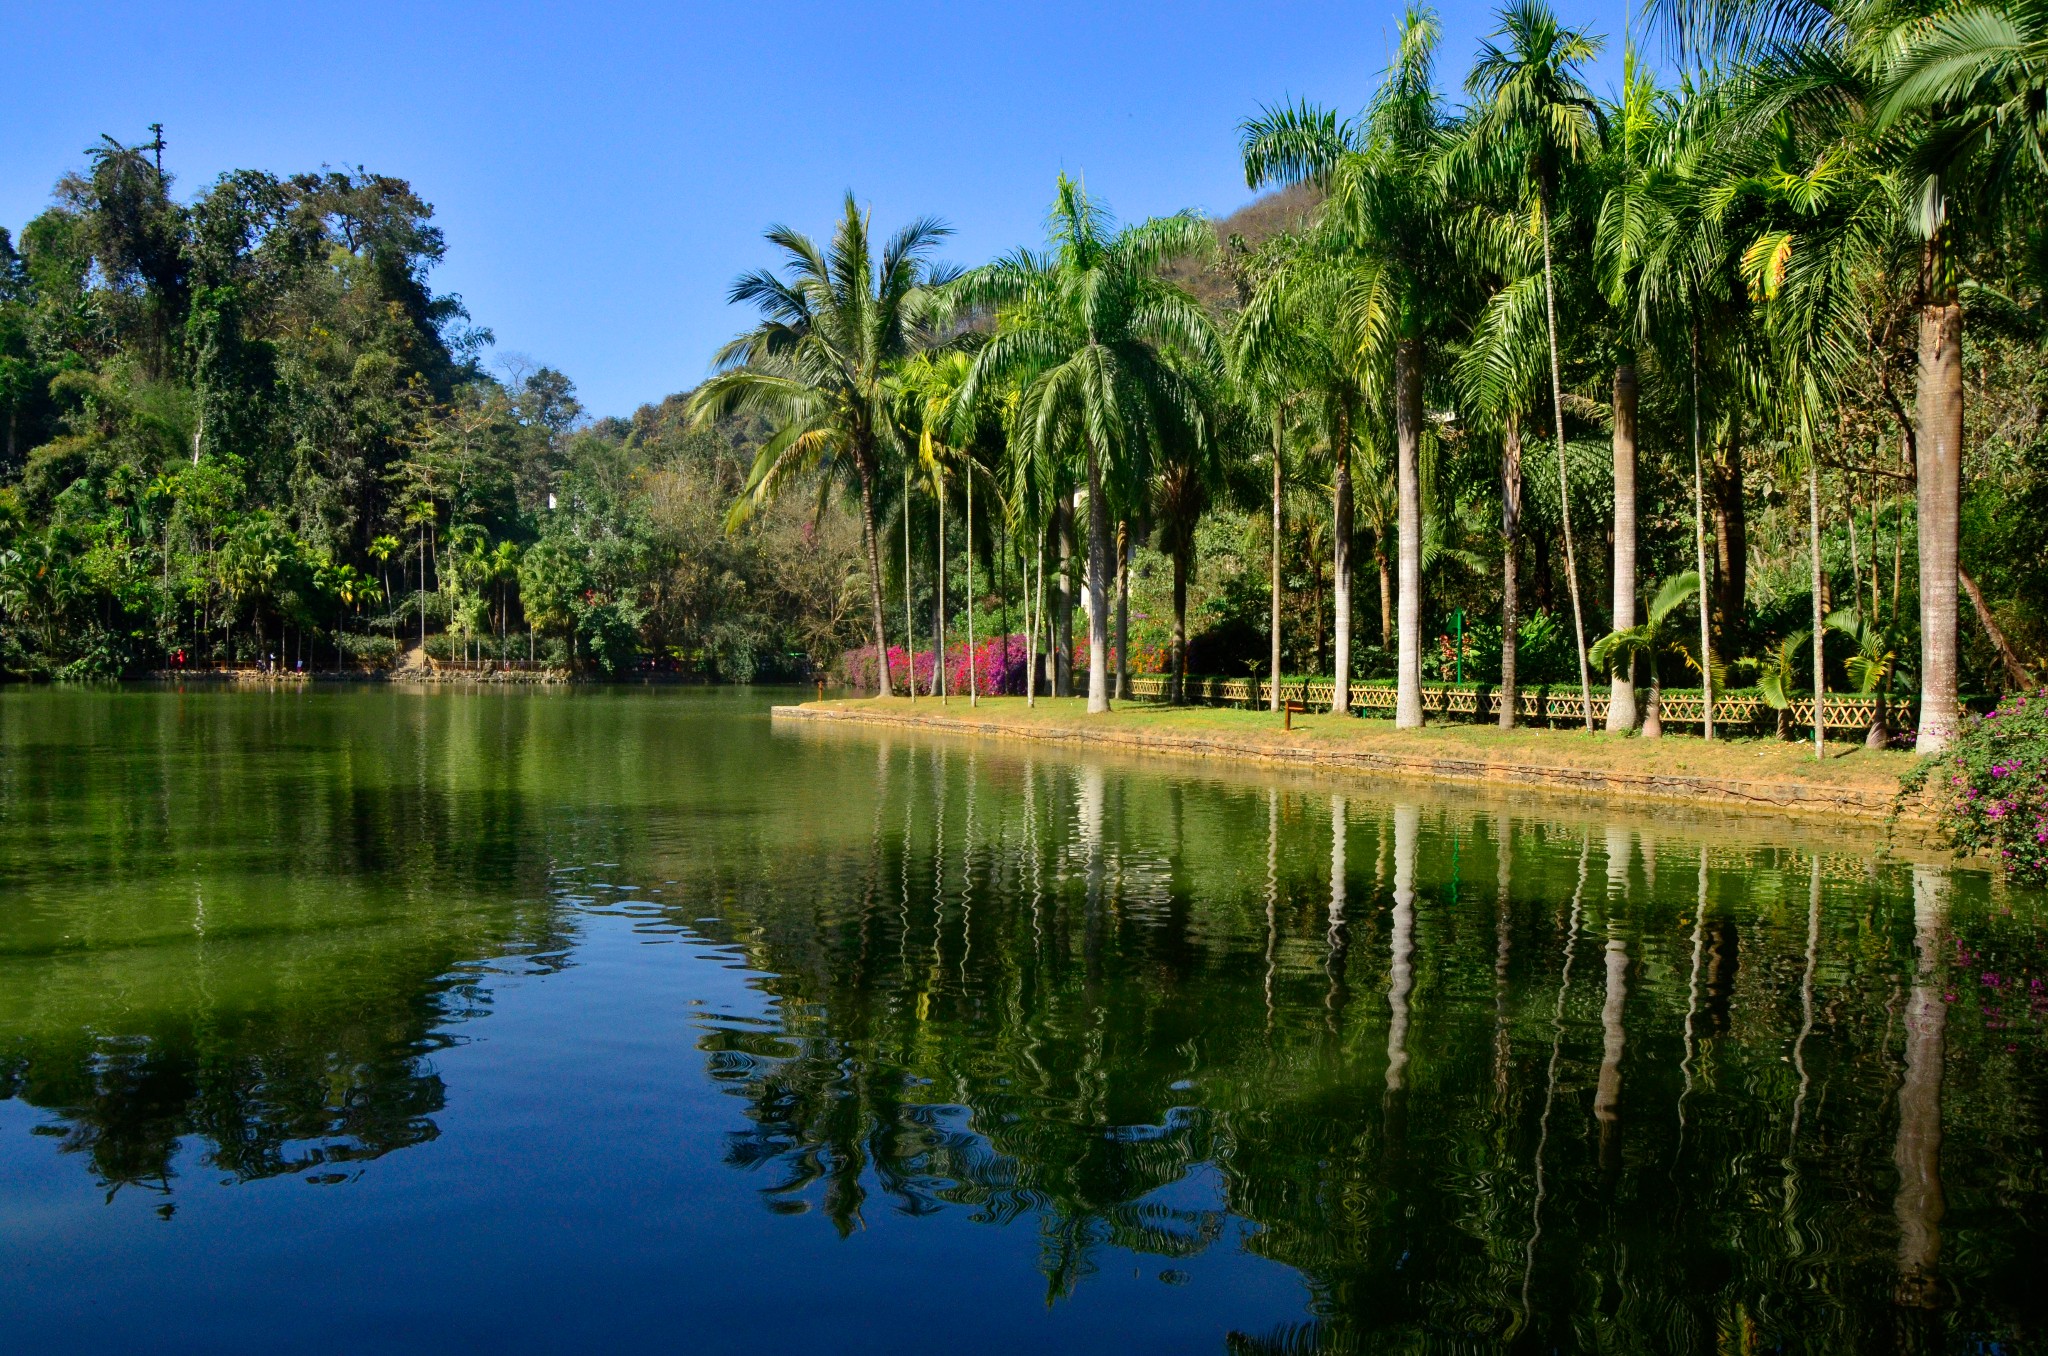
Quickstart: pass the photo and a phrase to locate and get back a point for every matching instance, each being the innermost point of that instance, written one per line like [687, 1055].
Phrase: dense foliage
[245, 427]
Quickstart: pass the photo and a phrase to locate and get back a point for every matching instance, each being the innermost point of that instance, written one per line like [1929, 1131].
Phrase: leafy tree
[1084, 332]
[818, 364]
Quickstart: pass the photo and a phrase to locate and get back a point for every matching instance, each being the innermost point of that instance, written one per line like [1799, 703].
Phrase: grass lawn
[1848, 766]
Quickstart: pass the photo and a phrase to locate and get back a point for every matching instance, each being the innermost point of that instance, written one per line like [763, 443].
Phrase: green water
[387, 1020]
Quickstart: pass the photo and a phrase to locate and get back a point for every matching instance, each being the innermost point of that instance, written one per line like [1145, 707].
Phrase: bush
[1991, 787]
[379, 651]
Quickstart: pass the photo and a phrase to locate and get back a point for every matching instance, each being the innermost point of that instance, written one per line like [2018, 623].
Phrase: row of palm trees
[1739, 238]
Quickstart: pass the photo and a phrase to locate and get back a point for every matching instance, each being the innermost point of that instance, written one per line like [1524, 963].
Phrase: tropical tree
[832, 325]
[1385, 228]
[1298, 340]
[1084, 331]
[1968, 84]
[1645, 640]
[1534, 120]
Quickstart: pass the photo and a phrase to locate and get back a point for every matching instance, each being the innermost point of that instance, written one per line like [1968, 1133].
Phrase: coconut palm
[832, 324]
[1084, 330]
[1535, 119]
[1384, 230]
[1655, 633]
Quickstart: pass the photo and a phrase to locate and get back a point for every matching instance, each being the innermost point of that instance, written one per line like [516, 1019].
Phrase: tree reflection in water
[1137, 1002]
[1797, 1103]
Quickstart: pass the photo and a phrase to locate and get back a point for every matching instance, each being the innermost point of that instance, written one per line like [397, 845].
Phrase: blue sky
[603, 171]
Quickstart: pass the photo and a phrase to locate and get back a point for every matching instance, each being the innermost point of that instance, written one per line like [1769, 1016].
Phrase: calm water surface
[378, 1020]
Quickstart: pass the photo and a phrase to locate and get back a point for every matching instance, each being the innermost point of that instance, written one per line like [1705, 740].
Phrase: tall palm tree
[1084, 331]
[832, 324]
[1297, 338]
[1636, 127]
[1384, 228]
[1969, 83]
[1535, 119]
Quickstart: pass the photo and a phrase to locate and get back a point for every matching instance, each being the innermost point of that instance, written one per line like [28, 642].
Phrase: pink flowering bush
[997, 668]
[1991, 786]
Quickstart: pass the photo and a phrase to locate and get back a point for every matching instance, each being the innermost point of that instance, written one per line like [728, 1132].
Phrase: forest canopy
[245, 427]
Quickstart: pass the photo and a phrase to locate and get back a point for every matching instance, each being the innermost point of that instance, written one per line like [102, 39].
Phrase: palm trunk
[1379, 563]
[1273, 694]
[1820, 678]
[909, 612]
[1564, 481]
[1621, 705]
[1939, 443]
[1340, 560]
[1123, 612]
[1063, 602]
[1180, 627]
[1408, 493]
[1510, 564]
[1731, 535]
[1098, 587]
[1699, 537]
[1034, 615]
[939, 594]
[973, 685]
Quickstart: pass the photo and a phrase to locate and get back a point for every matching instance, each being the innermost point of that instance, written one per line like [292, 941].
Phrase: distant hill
[1254, 223]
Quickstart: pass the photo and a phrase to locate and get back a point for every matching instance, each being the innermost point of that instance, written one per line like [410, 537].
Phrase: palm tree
[1383, 227]
[817, 366]
[1970, 81]
[1535, 119]
[1620, 247]
[1646, 639]
[1084, 330]
[1296, 338]
[1871, 667]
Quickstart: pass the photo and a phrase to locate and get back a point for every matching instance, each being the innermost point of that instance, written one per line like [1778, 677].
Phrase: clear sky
[602, 171]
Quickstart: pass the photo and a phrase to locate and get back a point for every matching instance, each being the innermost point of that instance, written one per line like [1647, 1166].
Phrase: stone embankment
[1753, 775]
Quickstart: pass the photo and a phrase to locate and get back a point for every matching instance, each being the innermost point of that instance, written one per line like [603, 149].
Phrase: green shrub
[1991, 786]
[367, 649]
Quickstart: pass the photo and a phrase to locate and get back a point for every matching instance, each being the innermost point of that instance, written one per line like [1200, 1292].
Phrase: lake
[461, 1020]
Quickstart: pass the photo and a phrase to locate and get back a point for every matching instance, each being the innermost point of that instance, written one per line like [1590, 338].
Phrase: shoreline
[1598, 768]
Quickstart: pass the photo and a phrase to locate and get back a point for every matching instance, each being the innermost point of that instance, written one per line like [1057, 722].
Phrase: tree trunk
[1180, 627]
[1123, 612]
[1273, 693]
[1699, 537]
[1939, 443]
[939, 594]
[909, 609]
[1510, 536]
[1063, 602]
[1731, 537]
[1408, 490]
[1379, 563]
[973, 685]
[2015, 671]
[1098, 587]
[1564, 480]
[1340, 561]
[1820, 677]
[1621, 705]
